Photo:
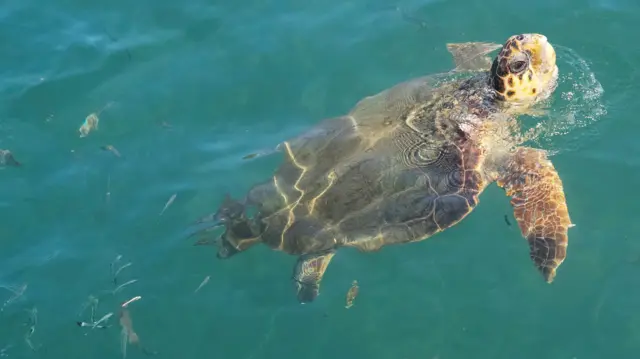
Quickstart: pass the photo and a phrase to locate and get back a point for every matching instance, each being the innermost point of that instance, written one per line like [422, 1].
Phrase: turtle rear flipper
[237, 237]
[308, 273]
[472, 56]
[230, 209]
[540, 207]
[240, 231]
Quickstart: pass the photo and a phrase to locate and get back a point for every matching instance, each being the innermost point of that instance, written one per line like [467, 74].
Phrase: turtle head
[525, 71]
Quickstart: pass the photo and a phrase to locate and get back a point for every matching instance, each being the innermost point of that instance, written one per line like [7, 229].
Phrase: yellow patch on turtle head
[525, 70]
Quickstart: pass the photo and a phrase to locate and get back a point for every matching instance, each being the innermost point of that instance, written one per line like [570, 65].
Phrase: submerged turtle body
[408, 163]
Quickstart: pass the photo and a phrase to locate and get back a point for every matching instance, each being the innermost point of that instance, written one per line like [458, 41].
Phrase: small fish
[103, 319]
[17, 293]
[7, 159]
[90, 123]
[113, 264]
[204, 282]
[506, 219]
[85, 324]
[111, 149]
[352, 294]
[27, 338]
[32, 321]
[33, 316]
[115, 276]
[3, 351]
[126, 304]
[123, 285]
[91, 302]
[15, 290]
[173, 197]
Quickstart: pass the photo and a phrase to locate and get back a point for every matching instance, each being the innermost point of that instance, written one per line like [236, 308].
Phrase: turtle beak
[548, 68]
[547, 55]
[542, 53]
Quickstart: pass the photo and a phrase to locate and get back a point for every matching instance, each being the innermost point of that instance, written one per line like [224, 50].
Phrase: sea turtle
[407, 163]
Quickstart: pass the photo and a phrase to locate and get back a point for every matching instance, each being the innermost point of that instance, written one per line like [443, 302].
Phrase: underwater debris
[127, 334]
[91, 122]
[352, 294]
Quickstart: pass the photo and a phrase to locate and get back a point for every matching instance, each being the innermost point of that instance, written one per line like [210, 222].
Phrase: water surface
[231, 78]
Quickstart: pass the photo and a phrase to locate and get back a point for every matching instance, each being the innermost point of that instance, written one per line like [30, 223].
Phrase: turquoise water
[187, 89]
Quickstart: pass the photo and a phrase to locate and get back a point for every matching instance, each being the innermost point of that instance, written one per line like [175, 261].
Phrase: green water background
[231, 78]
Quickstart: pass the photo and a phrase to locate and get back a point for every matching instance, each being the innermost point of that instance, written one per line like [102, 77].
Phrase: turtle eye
[517, 66]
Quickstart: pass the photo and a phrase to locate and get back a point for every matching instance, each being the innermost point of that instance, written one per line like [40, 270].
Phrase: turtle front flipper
[540, 207]
[308, 273]
[472, 56]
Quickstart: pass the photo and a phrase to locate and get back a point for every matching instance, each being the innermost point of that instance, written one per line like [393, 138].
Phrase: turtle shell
[388, 172]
